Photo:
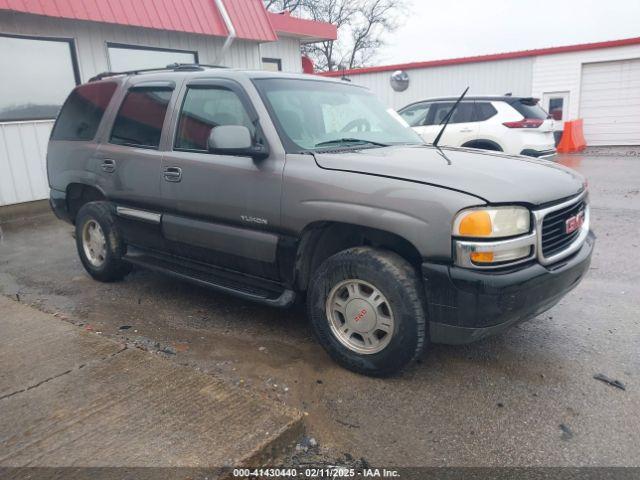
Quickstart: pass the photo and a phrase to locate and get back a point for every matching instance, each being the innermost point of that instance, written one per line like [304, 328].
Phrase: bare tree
[362, 27]
[282, 5]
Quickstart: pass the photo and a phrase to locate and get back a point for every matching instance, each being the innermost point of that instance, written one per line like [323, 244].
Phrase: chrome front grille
[554, 236]
[553, 242]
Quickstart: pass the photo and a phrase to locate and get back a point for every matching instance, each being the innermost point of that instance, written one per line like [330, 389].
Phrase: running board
[239, 285]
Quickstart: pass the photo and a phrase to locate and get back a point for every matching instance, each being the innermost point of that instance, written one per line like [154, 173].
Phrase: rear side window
[529, 108]
[462, 114]
[82, 112]
[140, 118]
[205, 108]
[483, 111]
[416, 115]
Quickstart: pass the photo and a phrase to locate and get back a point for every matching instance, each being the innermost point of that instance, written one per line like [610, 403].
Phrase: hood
[493, 177]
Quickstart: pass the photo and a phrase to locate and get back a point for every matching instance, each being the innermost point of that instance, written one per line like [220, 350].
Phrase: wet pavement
[526, 397]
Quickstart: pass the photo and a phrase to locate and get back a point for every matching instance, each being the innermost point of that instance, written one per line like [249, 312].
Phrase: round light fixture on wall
[399, 80]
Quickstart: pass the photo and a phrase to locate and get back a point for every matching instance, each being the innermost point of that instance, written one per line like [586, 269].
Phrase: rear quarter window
[483, 111]
[529, 108]
[82, 112]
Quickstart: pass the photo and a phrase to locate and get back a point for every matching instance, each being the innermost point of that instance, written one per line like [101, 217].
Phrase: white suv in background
[514, 125]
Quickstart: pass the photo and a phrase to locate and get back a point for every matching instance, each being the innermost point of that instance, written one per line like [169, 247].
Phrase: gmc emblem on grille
[574, 223]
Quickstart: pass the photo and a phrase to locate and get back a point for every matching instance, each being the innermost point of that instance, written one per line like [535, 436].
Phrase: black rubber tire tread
[398, 281]
[114, 268]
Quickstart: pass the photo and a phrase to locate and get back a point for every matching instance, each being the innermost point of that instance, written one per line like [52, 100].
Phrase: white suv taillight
[525, 123]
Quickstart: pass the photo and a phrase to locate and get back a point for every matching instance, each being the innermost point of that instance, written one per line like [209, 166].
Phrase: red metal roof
[249, 17]
[307, 30]
[488, 58]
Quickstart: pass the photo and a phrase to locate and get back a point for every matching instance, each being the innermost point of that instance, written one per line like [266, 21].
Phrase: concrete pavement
[74, 398]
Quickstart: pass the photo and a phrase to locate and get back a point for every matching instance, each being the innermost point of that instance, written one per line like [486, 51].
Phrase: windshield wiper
[350, 140]
[448, 116]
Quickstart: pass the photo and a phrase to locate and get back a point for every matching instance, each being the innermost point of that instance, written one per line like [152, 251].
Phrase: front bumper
[467, 305]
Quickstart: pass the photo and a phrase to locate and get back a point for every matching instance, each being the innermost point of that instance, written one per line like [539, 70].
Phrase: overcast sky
[441, 29]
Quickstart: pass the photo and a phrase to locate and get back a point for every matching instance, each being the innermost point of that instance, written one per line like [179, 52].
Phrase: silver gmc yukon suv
[276, 187]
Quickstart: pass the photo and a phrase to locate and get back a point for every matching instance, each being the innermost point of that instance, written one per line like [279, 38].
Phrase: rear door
[220, 209]
[461, 128]
[129, 162]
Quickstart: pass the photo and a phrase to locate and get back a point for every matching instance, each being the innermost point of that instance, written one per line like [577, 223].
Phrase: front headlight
[495, 236]
[495, 222]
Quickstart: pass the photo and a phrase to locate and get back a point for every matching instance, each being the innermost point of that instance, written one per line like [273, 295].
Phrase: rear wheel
[367, 310]
[99, 243]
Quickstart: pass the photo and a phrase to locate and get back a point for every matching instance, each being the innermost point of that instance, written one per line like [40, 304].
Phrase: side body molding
[242, 242]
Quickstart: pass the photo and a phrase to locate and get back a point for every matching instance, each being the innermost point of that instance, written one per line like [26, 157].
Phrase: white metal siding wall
[286, 49]
[23, 171]
[483, 78]
[23, 144]
[562, 72]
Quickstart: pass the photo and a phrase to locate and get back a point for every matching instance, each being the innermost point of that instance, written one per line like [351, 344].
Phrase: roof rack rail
[176, 67]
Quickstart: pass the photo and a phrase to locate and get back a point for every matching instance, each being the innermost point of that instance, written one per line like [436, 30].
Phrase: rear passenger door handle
[108, 165]
[172, 174]
[466, 130]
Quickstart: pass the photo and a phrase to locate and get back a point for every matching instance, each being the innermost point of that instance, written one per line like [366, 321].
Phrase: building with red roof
[48, 47]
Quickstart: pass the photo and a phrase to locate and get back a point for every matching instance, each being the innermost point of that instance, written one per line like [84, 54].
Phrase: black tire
[398, 282]
[113, 267]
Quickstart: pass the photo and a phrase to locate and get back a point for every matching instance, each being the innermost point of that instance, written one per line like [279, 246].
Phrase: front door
[220, 209]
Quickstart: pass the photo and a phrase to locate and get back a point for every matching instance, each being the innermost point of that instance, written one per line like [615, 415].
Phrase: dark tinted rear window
[140, 118]
[82, 112]
[530, 109]
[484, 111]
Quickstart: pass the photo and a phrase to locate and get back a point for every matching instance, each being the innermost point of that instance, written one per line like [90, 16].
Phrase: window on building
[25, 60]
[140, 118]
[416, 115]
[82, 111]
[130, 57]
[484, 111]
[556, 105]
[204, 109]
[272, 64]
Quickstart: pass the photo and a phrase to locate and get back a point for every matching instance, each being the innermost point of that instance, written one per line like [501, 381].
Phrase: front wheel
[366, 307]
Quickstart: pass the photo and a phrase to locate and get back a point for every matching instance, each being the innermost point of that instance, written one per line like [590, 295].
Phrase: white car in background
[514, 125]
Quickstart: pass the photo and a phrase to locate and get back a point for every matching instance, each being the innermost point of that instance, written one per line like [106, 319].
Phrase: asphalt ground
[524, 398]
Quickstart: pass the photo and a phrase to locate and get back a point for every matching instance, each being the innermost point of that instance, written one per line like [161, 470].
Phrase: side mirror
[235, 140]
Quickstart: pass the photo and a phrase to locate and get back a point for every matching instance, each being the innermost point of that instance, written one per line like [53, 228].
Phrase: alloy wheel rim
[94, 243]
[360, 316]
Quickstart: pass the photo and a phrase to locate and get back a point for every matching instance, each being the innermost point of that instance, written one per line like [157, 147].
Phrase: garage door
[610, 102]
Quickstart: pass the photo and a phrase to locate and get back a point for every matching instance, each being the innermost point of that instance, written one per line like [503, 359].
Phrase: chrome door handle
[466, 130]
[108, 165]
[172, 174]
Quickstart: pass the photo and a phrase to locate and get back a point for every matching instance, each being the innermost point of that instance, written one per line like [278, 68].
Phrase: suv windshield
[317, 115]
